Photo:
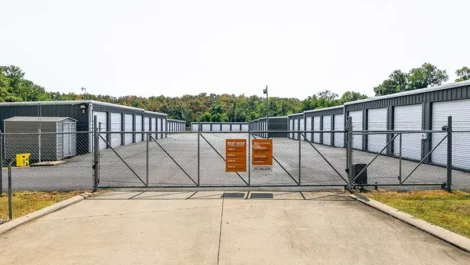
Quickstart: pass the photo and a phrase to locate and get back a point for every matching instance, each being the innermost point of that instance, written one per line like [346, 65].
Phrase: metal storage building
[296, 123]
[273, 124]
[422, 109]
[56, 141]
[326, 119]
[176, 125]
[219, 126]
[111, 118]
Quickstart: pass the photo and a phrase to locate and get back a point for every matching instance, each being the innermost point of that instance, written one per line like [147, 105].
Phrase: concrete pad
[324, 228]
[119, 232]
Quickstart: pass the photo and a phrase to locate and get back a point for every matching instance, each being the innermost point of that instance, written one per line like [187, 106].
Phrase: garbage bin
[362, 179]
[22, 160]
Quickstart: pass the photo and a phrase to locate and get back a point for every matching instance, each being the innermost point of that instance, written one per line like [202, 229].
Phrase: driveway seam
[220, 230]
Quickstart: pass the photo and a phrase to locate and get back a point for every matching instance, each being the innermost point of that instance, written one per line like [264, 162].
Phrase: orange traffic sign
[262, 152]
[235, 155]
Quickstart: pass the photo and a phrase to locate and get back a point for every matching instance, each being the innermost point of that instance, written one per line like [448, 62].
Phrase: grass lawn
[30, 201]
[448, 210]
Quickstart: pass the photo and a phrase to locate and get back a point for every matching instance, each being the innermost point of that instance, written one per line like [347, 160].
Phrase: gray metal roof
[324, 109]
[175, 120]
[412, 92]
[296, 114]
[75, 102]
[36, 119]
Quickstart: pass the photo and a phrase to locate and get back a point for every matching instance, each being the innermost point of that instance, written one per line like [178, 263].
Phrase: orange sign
[262, 150]
[235, 155]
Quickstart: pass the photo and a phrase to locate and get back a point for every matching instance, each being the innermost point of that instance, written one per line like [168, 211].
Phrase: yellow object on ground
[22, 160]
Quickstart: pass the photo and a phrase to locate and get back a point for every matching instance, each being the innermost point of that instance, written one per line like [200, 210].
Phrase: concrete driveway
[202, 228]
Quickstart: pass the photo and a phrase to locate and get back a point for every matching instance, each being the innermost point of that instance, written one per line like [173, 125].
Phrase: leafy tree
[352, 96]
[327, 94]
[462, 74]
[421, 77]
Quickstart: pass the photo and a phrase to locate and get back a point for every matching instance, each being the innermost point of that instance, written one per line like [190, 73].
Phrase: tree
[421, 77]
[425, 76]
[396, 82]
[352, 96]
[327, 94]
[463, 74]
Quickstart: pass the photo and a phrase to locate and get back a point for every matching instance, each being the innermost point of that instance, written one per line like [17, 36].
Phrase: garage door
[153, 127]
[115, 127]
[165, 128]
[245, 127]
[194, 127]
[160, 128]
[302, 127]
[128, 128]
[101, 119]
[291, 128]
[326, 127]
[296, 128]
[408, 118]
[460, 112]
[308, 127]
[316, 128]
[216, 127]
[206, 127]
[138, 128]
[376, 121]
[357, 126]
[339, 126]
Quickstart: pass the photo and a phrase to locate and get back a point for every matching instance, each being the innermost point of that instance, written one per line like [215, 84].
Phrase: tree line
[226, 107]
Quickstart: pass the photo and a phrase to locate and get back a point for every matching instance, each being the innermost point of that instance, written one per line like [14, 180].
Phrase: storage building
[219, 126]
[113, 120]
[56, 140]
[328, 120]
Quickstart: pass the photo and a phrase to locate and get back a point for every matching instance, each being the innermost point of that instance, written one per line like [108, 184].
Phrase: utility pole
[265, 91]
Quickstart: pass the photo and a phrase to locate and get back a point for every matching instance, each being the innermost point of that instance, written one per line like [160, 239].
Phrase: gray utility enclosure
[55, 139]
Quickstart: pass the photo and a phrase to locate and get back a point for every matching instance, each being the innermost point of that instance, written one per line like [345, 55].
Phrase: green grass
[28, 202]
[448, 210]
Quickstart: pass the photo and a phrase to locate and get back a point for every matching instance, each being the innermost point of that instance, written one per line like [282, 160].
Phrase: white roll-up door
[206, 127]
[235, 127]
[226, 127]
[308, 127]
[102, 126]
[138, 128]
[159, 128]
[291, 128]
[357, 126]
[339, 126]
[316, 128]
[115, 127]
[165, 127]
[376, 121]
[302, 128]
[216, 127]
[194, 127]
[460, 112]
[408, 118]
[327, 127]
[153, 127]
[128, 128]
[245, 127]
[296, 128]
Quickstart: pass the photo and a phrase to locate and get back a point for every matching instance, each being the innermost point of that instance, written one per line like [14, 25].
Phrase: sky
[178, 47]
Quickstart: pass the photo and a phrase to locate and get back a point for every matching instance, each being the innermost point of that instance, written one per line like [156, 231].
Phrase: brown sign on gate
[235, 155]
[262, 150]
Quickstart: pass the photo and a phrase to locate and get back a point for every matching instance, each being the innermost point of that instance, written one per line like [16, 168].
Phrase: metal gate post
[349, 154]
[96, 153]
[10, 193]
[449, 154]
[300, 158]
[399, 165]
[199, 156]
[147, 160]
[1, 163]
[249, 157]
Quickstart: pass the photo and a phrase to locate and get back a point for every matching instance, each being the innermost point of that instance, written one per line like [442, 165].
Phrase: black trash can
[362, 179]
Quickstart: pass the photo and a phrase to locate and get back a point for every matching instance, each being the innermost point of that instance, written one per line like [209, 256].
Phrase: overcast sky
[173, 48]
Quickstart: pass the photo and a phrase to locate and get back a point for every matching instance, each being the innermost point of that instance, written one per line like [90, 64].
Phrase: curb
[40, 213]
[452, 238]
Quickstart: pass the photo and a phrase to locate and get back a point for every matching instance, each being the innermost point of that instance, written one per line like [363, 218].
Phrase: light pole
[265, 91]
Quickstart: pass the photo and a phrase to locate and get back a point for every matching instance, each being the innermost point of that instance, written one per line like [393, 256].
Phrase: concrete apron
[202, 228]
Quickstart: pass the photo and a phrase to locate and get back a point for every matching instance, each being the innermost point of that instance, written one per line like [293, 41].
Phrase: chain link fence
[123, 159]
